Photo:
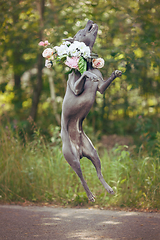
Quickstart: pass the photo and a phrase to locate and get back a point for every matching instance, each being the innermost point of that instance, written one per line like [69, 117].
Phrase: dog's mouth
[91, 27]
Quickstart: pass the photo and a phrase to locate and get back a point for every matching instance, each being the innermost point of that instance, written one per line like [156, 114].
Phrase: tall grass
[37, 171]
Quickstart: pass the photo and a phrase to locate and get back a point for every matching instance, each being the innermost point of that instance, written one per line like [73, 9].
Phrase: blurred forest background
[128, 40]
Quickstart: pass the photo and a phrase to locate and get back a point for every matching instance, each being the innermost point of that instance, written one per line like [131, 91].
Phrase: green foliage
[82, 64]
[18, 26]
[37, 171]
[147, 132]
[137, 182]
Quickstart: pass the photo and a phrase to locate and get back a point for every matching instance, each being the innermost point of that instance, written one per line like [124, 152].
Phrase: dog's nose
[90, 22]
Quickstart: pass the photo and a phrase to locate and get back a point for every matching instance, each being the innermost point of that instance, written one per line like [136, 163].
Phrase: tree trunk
[17, 93]
[53, 98]
[38, 88]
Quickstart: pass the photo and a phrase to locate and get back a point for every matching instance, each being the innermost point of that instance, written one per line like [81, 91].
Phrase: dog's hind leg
[76, 167]
[90, 152]
[72, 158]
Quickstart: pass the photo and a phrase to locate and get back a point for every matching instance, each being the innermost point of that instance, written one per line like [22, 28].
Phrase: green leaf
[61, 57]
[123, 180]
[82, 64]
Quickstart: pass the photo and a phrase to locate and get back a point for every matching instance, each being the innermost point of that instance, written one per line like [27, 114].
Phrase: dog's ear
[71, 40]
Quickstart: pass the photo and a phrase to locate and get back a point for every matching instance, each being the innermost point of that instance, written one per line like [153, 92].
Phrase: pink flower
[72, 62]
[41, 43]
[45, 43]
[47, 53]
[98, 63]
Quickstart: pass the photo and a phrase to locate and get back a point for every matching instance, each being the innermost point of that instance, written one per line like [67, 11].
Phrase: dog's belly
[74, 110]
[79, 106]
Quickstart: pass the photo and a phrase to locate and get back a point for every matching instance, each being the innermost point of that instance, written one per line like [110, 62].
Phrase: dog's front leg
[103, 85]
[78, 86]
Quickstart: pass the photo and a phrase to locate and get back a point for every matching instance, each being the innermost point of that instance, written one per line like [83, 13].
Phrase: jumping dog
[79, 98]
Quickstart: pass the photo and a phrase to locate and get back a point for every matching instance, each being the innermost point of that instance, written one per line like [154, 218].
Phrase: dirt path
[50, 223]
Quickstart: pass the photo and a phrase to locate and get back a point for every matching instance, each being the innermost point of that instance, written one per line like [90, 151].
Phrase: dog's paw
[110, 190]
[117, 73]
[91, 198]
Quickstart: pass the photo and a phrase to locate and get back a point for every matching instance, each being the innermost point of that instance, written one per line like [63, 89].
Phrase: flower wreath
[75, 55]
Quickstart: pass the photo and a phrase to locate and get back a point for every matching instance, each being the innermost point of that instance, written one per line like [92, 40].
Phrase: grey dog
[79, 98]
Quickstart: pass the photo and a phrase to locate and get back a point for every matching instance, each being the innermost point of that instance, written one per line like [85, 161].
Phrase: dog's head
[87, 35]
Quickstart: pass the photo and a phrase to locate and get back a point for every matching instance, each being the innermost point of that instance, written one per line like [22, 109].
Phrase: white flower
[63, 49]
[85, 50]
[67, 43]
[47, 53]
[48, 63]
[76, 44]
[73, 50]
[86, 53]
[77, 49]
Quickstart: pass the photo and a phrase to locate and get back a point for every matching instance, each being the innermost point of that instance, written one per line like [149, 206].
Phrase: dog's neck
[89, 60]
[89, 65]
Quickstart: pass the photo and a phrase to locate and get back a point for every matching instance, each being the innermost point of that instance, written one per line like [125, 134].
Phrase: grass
[36, 171]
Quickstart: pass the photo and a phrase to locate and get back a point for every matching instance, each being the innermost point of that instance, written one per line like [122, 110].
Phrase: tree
[38, 87]
[18, 27]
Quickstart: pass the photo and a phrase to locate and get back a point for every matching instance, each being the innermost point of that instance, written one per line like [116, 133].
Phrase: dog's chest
[90, 86]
